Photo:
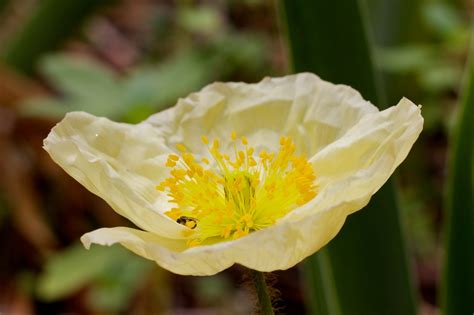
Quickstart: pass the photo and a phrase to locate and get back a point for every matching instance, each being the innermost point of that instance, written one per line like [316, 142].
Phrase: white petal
[276, 248]
[120, 163]
[311, 111]
[354, 150]
[356, 165]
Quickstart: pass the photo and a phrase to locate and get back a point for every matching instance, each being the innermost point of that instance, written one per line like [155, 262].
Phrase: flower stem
[264, 300]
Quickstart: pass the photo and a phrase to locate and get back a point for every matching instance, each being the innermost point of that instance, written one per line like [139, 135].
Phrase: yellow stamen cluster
[235, 196]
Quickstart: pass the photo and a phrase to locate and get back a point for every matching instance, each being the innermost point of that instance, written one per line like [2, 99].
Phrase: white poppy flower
[262, 175]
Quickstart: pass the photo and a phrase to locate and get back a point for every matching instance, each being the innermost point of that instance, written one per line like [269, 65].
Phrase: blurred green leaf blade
[458, 282]
[81, 85]
[114, 287]
[85, 85]
[330, 39]
[113, 272]
[50, 24]
[73, 268]
[78, 77]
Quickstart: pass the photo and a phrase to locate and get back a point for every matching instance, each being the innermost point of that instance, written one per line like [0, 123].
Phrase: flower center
[234, 196]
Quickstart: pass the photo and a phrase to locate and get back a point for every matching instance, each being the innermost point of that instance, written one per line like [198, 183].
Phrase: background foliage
[126, 59]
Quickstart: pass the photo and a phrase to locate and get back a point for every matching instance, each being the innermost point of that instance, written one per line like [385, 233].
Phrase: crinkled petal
[110, 236]
[311, 111]
[120, 163]
[276, 248]
[359, 163]
[350, 170]
[354, 149]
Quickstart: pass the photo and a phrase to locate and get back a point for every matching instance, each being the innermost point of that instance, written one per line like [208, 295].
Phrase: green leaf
[212, 290]
[151, 88]
[79, 77]
[458, 281]
[113, 275]
[84, 84]
[199, 19]
[406, 59]
[44, 107]
[114, 287]
[163, 84]
[386, 15]
[364, 270]
[50, 24]
[443, 18]
[70, 270]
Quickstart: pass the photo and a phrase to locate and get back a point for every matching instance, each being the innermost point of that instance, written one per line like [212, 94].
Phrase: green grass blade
[458, 283]
[323, 39]
[322, 297]
[387, 14]
[52, 22]
[366, 262]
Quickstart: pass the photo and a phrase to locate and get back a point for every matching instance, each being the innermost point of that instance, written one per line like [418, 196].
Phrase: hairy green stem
[264, 300]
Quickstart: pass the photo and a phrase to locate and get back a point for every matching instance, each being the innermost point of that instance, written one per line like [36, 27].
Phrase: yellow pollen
[231, 196]
[181, 147]
[282, 140]
[173, 157]
[170, 163]
[215, 144]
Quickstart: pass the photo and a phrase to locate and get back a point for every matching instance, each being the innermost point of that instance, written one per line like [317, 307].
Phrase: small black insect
[188, 221]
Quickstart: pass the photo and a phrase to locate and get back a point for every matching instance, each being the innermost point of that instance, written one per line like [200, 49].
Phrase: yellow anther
[238, 194]
[188, 158]
[173, 157]
[219, 219]
[170, 181]
[270, 187]
[199, 171]
[225, 232]
[247, 218]
[181, 147]
[174, 213]
[170, 163]
[255, 182]
[178, 173]
[237, 181]
[252, 161]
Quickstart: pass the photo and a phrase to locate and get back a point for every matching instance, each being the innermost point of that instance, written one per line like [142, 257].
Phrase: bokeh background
[128, 59]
